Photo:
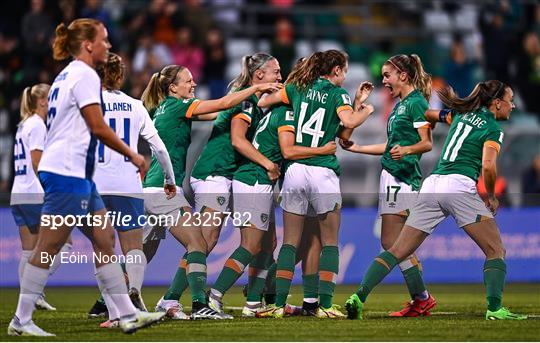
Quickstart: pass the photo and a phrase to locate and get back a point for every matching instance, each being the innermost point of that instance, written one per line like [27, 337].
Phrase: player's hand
[273, 172]
[329, 148]
[363, 91]
[170, 191]
[270, 87]
[139, 161]
[398, 152]
[366, 107]
[346, 144]
[493, 204]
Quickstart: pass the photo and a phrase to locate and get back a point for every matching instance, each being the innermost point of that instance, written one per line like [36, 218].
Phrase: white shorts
[255, 201]
[156, 204]
[395, 196]
[214, 192]
[310, 185]
[444, 195]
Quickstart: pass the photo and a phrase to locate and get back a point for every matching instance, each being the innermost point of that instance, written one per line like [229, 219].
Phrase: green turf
[459, 316]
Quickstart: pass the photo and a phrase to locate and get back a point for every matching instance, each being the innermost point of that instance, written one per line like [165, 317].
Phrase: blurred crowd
[502, 42]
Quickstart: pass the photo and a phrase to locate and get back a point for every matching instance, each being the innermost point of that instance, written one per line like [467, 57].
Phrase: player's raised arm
[234, 98]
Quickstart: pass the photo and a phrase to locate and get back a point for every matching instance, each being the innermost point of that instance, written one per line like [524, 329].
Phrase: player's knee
[495, 250]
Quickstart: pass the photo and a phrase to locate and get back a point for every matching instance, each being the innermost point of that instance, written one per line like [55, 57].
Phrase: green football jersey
[172, 119]
[406, 117]
[266, 140]
[316, 117]
[462, 150]
[218, 157]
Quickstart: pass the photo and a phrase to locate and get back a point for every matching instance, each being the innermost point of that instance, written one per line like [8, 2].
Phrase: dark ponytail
[482, 95]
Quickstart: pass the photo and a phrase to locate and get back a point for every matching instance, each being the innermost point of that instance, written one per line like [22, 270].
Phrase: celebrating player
[118, 181]
[74, 121]
[27, 194]
[471, 148]
[170, 94]
[319, 105]
[253, 194]
[409, 136]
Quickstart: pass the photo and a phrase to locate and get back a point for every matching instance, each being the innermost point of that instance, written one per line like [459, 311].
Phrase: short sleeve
[87, 89]
[148, 130]
[417, 112]
[191, 106]
[36, 135]
[287, 93]
[244, 111]
[286, 120]
[342, 100]
[494, 139]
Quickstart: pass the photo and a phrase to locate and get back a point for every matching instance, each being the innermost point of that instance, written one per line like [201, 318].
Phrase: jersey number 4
[312, 127]
[125, 138]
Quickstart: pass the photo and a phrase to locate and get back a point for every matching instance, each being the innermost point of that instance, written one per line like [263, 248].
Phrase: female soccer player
[409, 136]
[471, 148]
[74, 121]
[171, 93]
[253, 194]
[27, 193]
[319, 104]
[118, 181]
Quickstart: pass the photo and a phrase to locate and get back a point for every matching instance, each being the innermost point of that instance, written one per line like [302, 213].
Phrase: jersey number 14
[312, 127]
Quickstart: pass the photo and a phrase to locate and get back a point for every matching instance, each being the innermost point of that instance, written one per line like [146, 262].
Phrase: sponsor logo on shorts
[392, 204]
[84, 204]
[264, 217]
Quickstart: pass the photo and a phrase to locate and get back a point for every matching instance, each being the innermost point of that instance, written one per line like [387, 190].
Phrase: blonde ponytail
[250, 64]
[30, 97]
[421, 79]
[158, 86]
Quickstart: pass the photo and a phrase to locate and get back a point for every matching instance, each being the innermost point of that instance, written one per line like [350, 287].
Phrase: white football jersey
[128, 118]
[26, 186]
[70, 146]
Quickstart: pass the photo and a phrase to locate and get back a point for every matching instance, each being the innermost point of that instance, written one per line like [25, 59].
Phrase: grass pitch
[459, 316]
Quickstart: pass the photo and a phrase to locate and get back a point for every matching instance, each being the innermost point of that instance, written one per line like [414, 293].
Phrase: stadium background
[460, 42]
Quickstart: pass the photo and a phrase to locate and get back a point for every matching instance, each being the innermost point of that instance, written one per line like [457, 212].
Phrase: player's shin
[196, 275]
[284, 273]
[328, 271]
[494, 277]
[412, 272]
[179, 283]
[257, 276]
[377, 271]
[32, 284]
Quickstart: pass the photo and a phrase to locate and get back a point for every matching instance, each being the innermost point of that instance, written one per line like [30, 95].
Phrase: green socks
[310, 284]
[328, 271]
[410, 268]
[233, 268]
[196, 275]
[376, 272]
[494, 276]
[258, 272]
[179, 283]
[284, 273]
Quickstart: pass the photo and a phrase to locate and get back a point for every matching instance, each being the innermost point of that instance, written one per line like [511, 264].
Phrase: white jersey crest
[128, 118]
[70, 146]
[30, 136]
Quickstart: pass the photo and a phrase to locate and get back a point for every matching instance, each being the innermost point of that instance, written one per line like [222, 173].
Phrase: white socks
[135, 270]
[25, 256]
[111, 282]
[56, 263]
[33, 282]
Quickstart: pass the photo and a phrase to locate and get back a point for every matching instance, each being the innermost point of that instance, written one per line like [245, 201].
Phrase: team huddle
[272, 143]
